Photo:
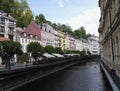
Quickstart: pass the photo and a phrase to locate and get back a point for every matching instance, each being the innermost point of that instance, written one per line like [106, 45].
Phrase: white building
[7, 26]
[78, 44]
[85, 44]
[94, 45]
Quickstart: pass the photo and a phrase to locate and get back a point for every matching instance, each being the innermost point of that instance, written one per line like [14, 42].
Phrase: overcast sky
[75, 13]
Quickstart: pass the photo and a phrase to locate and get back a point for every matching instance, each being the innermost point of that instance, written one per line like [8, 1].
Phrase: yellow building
[62, 40]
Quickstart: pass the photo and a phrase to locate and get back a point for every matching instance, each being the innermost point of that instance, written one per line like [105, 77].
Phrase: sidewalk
[16, 66]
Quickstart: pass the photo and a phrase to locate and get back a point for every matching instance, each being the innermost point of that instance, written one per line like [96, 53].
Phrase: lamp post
[30, 54]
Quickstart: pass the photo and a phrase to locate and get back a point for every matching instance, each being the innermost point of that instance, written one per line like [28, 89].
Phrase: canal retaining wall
[110, 76]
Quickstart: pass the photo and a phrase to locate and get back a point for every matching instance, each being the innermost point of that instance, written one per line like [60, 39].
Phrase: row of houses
[45, 35]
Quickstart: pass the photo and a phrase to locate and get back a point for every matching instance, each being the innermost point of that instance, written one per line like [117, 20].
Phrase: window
[2, 20]
[22, 40]
[31, 35]
[11, 30]
[26, 40]
[25, 34]
[2, 29]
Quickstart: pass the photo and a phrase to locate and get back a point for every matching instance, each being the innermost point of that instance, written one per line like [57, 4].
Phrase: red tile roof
[3, 39]
[33, 29]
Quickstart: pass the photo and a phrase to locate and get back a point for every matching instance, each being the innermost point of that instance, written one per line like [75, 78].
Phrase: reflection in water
[80, 77]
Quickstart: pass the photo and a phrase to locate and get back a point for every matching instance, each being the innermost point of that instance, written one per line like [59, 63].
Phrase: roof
[21, 34]
[3, 39]
[33, 29]
[7, 15]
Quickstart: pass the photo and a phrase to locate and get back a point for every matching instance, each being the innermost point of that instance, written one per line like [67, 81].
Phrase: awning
[48, 55]
[58, 55]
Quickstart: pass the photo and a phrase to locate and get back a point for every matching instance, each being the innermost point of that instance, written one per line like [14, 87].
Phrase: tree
[83, 32]
[58, 50]
[54, 25]
[23, 14]
[6, 5]
[49, 49]
[80, 33]
[22, 58]
[40, 19]
[8, 49]
[36, 49]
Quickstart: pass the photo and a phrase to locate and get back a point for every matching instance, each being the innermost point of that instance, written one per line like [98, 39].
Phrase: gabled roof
[3, 39]
[33, 29]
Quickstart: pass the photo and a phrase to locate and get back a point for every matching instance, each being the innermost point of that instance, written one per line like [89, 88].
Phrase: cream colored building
[109, 32]
[62, 37]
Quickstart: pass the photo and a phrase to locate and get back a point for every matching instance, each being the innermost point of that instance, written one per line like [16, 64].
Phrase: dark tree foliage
[58, 50]
[36, 49]
[8, 49]
[49, 49]
[63, 27]
[40, 19]
[80, 33]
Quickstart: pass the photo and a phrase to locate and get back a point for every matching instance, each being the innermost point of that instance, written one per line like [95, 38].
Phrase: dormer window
[31, 35]
[25, 34]
[36, 37]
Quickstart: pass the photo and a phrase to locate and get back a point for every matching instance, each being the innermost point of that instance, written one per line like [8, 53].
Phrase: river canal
[81, 77]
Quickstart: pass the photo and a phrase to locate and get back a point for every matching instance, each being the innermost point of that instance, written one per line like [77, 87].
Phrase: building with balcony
[94, 45]
[109, 32]
[7, 26]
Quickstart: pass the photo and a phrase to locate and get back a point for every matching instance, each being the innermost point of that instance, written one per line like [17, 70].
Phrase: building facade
[56, 38]
[31, 34]
[72, 45]
[47, 35]
[78, 44]
[62, 37]
[94, 45]
[85, 45]
[7, 26]
[109, 32]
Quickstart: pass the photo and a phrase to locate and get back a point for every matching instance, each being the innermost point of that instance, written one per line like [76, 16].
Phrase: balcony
[2, 22]
[11, 32]
[11, 24]
[2, 29]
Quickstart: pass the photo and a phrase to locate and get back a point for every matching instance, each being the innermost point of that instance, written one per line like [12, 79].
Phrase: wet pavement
[81, 77]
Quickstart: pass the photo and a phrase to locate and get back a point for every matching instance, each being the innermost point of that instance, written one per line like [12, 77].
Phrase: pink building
[47, 35]
[72, 45]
